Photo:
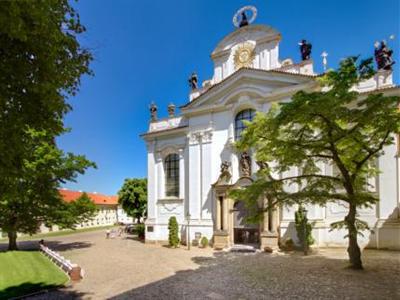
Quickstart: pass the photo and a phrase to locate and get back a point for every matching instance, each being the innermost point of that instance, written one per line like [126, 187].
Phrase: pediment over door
[257, 84]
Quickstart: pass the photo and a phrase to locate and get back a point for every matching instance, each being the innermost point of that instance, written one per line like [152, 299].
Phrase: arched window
[172, 175]
[248, 115]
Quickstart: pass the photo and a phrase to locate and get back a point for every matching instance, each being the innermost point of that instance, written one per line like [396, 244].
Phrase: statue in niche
[193, 81]
[243, 21]
[225, 174]
[305, 50]
[245, 164]
[383, 56]
[153, 112]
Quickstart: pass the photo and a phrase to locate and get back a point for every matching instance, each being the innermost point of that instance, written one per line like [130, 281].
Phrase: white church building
[185, 152]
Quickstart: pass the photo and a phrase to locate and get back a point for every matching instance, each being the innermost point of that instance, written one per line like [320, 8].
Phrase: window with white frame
[171, 164]
[244, 115]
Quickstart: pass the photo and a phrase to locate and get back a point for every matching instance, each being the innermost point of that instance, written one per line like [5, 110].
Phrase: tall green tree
[336, 127]
[41, 64]
[34, 199]
[133, 197]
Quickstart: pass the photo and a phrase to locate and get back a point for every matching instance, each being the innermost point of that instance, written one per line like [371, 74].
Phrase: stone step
[243, 248]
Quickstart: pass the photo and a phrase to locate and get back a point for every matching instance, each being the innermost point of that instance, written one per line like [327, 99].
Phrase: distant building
[108, 213]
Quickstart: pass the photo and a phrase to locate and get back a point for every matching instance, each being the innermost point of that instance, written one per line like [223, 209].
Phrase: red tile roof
[98, 199]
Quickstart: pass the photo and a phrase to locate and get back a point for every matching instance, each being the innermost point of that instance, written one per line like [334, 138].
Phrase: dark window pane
[248, 115]
[172, 175]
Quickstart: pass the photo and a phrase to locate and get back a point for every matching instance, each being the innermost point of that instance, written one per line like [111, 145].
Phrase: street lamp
[188, 230]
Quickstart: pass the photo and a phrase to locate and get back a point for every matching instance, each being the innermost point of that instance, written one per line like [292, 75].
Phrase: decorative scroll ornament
[244, 56]
[238, 17]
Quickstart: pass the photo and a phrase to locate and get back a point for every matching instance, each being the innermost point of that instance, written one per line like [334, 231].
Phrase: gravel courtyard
[123, 268]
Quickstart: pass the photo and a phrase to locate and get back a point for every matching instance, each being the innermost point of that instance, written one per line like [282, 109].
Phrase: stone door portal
[243, 231]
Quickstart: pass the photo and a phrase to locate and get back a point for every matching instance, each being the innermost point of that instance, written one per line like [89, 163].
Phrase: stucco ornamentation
[244, 56]
[203, 136]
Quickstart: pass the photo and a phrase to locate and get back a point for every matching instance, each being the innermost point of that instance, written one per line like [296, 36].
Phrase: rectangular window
[172, 175]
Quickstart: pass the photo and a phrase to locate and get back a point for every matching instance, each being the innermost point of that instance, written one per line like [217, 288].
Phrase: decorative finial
[171, 110]
[305, 49]
[193, 81]
[324, 60]
[153, 112]
[243, 16]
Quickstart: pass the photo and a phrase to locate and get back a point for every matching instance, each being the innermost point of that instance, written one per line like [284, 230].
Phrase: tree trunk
[353, 250]
[12, 240]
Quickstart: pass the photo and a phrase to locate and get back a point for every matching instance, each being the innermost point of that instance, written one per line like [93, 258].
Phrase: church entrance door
[244, 232]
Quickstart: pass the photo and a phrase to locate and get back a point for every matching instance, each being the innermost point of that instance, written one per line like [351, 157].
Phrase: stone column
[221, 237]
[218, 213]
[265, 221]
[274, 221]
[225, 214]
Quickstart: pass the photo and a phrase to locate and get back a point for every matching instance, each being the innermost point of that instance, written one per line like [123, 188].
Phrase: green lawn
[25, 272]
[57, 233]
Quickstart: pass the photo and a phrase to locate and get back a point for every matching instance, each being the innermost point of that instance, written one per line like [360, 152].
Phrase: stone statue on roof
[243, 21]
[193, 81]
[153, 112]
[225, 175]
[383, 56]
[305, 49]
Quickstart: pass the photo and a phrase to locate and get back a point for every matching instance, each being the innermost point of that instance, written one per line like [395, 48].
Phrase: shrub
[140, 230]
[204, 242]
[303, 229]
[173, 238]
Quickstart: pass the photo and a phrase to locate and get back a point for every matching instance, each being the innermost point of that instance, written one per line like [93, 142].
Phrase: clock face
[244, 56]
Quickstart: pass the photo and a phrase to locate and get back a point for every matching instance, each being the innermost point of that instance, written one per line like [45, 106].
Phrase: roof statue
[244, 21]
[153, 112]
[193, 81]
[383, 56]
[225, 174]
[305, 50]
[241, 13]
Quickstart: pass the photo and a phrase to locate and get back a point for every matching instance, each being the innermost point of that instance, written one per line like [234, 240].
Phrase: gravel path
[124, 268]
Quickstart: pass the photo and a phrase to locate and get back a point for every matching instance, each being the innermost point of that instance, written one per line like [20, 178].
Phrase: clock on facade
[244, 56]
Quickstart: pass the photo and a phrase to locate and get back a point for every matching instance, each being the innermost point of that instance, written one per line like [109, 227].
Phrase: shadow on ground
[261, 276]
[54, 245]
[38, 291]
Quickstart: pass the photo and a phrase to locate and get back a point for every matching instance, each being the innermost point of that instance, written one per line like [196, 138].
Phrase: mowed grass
[25, 272]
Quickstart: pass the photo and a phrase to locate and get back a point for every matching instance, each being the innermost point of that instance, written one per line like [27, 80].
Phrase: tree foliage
[334, 127]
[77, 212]
[133, 197]
[34, 198]
[173, 232]
[41, 64]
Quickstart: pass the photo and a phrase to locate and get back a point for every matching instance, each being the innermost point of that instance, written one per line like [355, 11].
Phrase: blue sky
[145, 50]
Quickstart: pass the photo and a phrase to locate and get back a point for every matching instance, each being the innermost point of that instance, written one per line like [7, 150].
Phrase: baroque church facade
[186, 154]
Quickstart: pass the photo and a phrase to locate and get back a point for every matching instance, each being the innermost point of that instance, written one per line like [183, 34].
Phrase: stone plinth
[221, 239]
[269, 240]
